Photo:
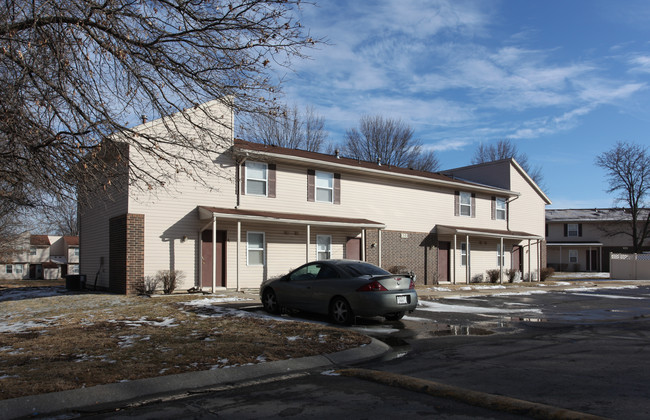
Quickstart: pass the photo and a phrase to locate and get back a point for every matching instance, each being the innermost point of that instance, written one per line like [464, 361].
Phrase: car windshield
[363, 269]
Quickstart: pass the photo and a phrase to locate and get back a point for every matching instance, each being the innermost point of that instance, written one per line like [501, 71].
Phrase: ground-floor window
[573, 256]
[73, 269]
[18, 268]
[501, 258]
[9, 269]
[255, 248]
[323, 247]
[463, 253]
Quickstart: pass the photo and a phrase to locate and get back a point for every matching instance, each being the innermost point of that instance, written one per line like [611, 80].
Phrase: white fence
[629, 266]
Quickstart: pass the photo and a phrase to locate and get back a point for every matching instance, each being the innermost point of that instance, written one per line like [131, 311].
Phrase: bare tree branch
[389, 140]
[506, 149]
[75, 72]
[627, 168]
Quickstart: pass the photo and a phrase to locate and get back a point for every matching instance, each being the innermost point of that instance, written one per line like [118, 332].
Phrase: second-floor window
[256, 178]
[32, 250]
[324, 186]
[75, 252]
[465, 204]
[573, 230]
[500, 208]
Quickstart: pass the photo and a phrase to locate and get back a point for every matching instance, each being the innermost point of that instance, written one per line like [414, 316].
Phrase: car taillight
[412, 285]
[374, 286]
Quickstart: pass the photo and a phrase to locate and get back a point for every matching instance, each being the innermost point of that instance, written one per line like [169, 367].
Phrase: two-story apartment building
[272, 209]
[583, 239]
[42, 256]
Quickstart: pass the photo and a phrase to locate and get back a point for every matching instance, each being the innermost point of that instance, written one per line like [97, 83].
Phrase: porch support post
[363, 244]
[600, 260]
[307, 243]
[530, 250]
[379, 245]
[238, 246]
[467, 258]
[501, 258]
[453, 267]
[214, 252]
[560, 267]
[539, 260]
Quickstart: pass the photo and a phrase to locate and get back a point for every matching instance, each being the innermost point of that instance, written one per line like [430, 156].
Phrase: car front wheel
[270, 302]
[341, 312]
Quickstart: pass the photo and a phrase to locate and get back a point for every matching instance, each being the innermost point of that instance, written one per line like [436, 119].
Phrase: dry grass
[69, 340]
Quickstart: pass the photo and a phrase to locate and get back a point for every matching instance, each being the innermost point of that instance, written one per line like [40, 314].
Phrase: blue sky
[564, 80]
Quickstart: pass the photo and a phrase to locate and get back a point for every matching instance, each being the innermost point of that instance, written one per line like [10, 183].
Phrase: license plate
[402, 300]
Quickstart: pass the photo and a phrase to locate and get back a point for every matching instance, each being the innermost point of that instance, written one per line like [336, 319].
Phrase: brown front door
[353, 249]
[206, 258]
[443, 261]
[517, 259]
[592, 260]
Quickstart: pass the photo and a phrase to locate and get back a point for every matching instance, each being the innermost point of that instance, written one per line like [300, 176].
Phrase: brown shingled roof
[71, 240]
[39, 240]
[353, 163]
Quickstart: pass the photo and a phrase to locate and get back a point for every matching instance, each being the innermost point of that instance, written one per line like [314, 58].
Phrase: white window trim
[329, 248]
[9, 269]
[265, 180]
[330, 175]
[75, 251]
[461, 205]
[18, 269]
[248, 248]
[573, 252]
[498, 209]
[575, 232]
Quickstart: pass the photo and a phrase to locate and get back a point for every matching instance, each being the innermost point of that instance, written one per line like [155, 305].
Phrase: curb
[118, 394]
[467, 396]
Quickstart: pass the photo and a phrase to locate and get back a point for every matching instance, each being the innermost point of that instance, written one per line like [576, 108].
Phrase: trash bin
[72, 281]
[82, 281]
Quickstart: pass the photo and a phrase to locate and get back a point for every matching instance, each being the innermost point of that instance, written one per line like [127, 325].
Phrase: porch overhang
[487, 233]
[208, 213]
[574, 244]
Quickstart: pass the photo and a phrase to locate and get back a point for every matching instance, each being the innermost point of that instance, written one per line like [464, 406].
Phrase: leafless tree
[389, 140]
[506, 149]
[11, 231]
[60, 218]
[76, 72]
[288, 128]
[627, 167]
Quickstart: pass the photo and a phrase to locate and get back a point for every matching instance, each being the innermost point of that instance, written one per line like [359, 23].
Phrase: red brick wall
[126, 253]
[414, 251]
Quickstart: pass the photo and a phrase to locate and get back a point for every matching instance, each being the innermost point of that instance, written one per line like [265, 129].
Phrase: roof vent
[379, 160]
[337, 153]
[144, 118]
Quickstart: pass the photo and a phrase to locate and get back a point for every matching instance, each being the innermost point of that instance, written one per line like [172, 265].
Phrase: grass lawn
[52, 339]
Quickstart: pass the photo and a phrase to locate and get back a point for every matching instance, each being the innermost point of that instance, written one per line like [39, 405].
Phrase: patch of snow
[261, 359]
[330, 373]
[488, 287]
[441, 307]
[440, 289]
[415, 319]
[294, 338]
[608, 296]
[19, 327]
[526, 293]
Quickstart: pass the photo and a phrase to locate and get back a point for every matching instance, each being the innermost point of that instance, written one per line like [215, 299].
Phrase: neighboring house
[273, 209]
[583, 239]
[42, 257]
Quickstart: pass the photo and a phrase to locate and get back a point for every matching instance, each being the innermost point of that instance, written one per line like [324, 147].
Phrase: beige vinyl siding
[94, 235]
[376, 198]
[528, 212]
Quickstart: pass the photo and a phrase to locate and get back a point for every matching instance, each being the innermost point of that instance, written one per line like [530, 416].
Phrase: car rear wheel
[395, 316]
[270, 302]
[341, 311]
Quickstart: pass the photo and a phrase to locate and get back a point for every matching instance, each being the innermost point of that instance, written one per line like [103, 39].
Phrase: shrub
[398, 269]
[546, 273]
[169, 279]
[512, 274]
[477, 278]
[493, 275]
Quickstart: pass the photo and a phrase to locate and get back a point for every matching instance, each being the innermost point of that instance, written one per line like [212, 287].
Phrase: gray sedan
[342, 289]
